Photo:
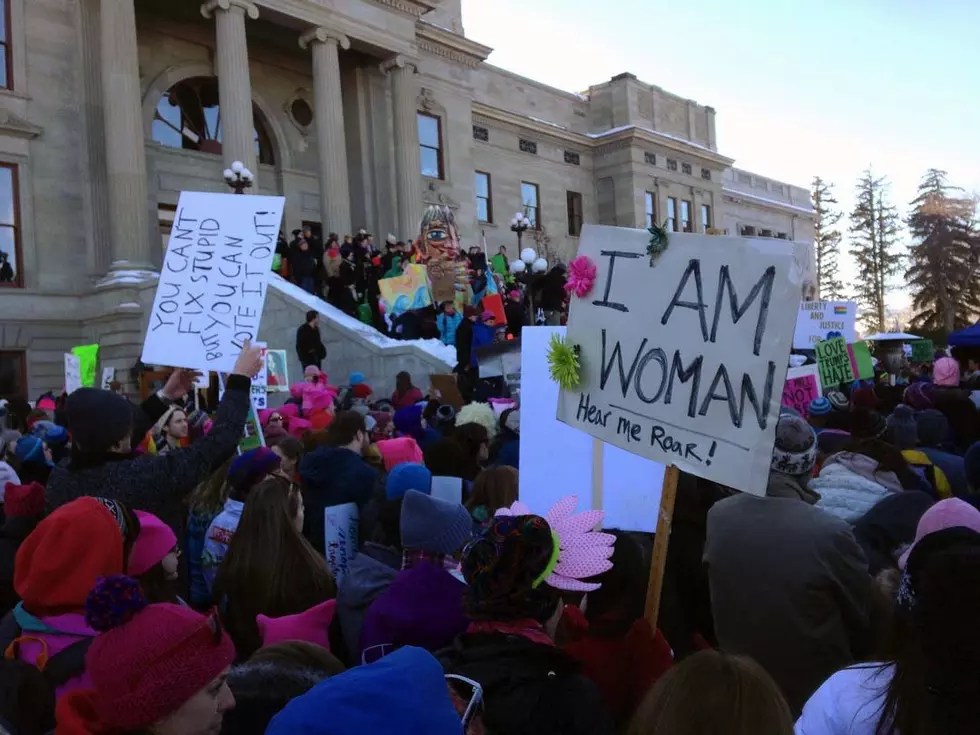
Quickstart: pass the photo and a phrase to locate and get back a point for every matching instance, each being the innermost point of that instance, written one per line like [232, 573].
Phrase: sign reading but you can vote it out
[213, 281]
[684, 362]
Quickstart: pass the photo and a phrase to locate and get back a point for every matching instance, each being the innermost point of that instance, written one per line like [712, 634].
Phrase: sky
[801, 88]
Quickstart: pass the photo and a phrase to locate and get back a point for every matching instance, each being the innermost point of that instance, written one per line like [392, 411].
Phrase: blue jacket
[447, 327]
[509, 454]
[332, 476]
[483, 334]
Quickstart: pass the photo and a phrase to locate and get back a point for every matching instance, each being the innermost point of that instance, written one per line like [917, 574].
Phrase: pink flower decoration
[581, 276]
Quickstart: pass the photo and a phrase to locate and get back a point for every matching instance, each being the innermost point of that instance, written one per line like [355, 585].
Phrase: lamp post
[238, 177]
[528, 268]
[519, 223]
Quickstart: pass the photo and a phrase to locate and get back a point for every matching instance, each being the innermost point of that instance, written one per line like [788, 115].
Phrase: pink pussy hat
[154, 542]
[312, 626]
[950, 513]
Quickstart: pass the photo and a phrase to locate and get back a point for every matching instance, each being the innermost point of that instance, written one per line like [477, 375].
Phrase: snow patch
[766, 200]
[656, 133]
[128, 278]
[546, 122]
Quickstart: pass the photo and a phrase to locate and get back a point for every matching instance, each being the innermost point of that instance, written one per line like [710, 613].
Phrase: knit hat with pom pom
[149, 659]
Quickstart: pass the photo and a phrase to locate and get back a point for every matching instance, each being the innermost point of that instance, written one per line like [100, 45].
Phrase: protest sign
[340, 533]
[923, 351]
[277, 374]
[683, 361]
[73, 373]
[88, 358]
[820, 320]
[259, 396]
[445, 389]
[861, 364]
[406, 292]
[834, 362]
[253, 438]
[558, 460]
[449, 489]
[802, 386]
[212, 285]
[108, 375]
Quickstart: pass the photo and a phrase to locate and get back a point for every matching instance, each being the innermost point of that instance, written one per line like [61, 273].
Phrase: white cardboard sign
[340, 536]
[820, 320]
[259, 388]
[73, 373]
[212, 285]
[683, 361]
[557, 460]
[108, 375]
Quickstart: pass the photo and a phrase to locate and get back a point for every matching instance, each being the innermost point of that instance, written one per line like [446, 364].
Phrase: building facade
[358, 112]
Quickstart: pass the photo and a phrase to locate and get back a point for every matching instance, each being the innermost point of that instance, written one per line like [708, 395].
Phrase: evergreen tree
[874, 227]
[826, 241]
[943, 257]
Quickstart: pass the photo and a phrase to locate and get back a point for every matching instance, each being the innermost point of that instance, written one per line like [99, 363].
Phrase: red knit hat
[61, 560]
[362, 391]
[149, 659]
[23, 500]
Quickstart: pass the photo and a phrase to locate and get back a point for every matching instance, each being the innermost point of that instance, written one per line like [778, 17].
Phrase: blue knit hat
[408, 476]
[404, 693]
[251, 467]
[820, 406]
[356, 378]
[434, 526]
[51, 433]
[30, 449]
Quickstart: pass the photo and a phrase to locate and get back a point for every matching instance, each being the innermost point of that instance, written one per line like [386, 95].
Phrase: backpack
[59, 668]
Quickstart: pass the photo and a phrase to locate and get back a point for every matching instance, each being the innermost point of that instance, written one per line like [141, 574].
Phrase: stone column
[408, 164]
[125, 153]
[234, 82]
[329, 121]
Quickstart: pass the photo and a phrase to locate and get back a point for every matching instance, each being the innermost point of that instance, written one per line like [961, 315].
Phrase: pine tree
[874, 227]
[943, 258]
[826, 241]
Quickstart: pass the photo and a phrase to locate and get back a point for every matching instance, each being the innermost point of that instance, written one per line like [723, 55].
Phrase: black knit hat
[98, 419]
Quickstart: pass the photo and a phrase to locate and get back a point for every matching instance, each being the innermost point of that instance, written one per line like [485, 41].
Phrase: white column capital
[399, 62]
[251, 9]
[322, 34]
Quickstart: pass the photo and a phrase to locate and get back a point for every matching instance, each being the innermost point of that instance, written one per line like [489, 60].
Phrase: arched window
[188, 117]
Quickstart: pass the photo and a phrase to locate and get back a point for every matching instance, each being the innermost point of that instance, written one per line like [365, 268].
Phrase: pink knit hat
[149, 659]
[312, 626]
[399, 451]
[155, 541]
[946, 371]
[950, 513]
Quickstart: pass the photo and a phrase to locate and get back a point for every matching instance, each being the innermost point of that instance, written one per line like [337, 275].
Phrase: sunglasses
[276, 417]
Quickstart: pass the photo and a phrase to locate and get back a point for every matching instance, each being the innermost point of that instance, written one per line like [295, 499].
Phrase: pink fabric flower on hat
[581, 276]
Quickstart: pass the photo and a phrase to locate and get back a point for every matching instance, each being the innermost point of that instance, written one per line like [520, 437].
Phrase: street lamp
[238, 177]
[519, 223]
[528, 268]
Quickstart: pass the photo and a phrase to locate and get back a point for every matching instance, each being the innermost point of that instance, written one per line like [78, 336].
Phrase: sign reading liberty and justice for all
[684, 362]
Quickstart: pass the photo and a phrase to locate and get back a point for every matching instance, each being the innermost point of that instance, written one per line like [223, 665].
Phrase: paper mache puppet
[439, 244]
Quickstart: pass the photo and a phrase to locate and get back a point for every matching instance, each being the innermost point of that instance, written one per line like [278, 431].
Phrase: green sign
[88, 357]
[861, 363]
[834, 362]
[923, 351]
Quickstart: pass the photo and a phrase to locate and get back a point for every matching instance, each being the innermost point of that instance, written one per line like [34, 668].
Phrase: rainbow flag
[840, 310]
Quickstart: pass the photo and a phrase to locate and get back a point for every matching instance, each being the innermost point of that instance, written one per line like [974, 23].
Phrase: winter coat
[849, 485]
[789, 587]
[309, 346]
[314, 396]
[409, 398]
[931, 474]
[464, 342]
[889, 526]
[198, 524]
[155, 484]
[514, 311]
[14, 531]
[368, 576]
[849, 703]
[332, 476]
[51, 635]
[528, 688]
[447, 325]
[509, 452]
[422, 607]
[483, 334]
[218, 539]
[952, 467]
[303, 263]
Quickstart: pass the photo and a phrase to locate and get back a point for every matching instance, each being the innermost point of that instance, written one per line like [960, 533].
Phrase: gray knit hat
[902, 430]
[795, 450]
[933, 427]
[434, 526]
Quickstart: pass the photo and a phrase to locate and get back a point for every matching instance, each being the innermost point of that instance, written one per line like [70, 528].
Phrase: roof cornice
[413, 7]
[454, 46]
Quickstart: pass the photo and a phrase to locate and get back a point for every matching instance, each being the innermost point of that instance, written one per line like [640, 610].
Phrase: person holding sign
[105, 427]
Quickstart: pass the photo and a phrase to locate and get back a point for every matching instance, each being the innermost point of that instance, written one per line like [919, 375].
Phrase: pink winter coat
[52, 635]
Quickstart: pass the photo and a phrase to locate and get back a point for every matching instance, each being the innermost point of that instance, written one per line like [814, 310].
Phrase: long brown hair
[712, 692]
[209, 497]
[494, 488]
[270, 568]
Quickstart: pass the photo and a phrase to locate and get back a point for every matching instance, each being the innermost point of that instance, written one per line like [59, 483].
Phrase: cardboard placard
[406, 292]
[445, 388]
[253, 438]
[277, 371]
[861, 363]
[213, 281]
[821, 320]
[108, 375]
[840, 362]
[88, 359]
[683, 361]
[259, 396]
[802, 386]
[923, 351]
[73, 373]
[340, 524]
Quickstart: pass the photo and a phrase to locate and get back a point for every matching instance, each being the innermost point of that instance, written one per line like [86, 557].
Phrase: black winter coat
[309, 346]
[155, 484]
[528, 688]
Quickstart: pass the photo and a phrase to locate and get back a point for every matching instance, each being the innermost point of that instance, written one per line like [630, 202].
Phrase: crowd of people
[156, 579]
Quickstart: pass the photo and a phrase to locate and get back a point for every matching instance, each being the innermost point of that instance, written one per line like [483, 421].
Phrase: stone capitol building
[359, 112]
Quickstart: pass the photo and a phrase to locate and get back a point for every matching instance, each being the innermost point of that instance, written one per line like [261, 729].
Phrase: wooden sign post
[660, 540]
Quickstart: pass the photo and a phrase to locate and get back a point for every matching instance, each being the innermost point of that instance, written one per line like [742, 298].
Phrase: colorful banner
[406, 292]
[802, 386]
[923, 351]
[861, 363]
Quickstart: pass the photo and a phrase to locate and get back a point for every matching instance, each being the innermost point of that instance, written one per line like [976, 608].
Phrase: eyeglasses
[275, 418]
[475, 698]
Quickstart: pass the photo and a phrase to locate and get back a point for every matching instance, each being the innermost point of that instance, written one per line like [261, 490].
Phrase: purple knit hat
[251, 467]
[920, 396]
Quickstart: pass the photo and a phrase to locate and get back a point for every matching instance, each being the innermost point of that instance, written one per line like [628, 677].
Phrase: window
[686, 216]
[651, 208]
[529, 146]
[686, 168]
[6, 59]
[430, 145]
[188, 117]
[671, 164]
[13, 374]
[744, 178]
[484, 200]
[10, 258]
[765, 233]
[573, 201]
[650, 158]
[706, 174]
[671, 214]
[748, 231]
[301, 112]
[531, 202]
[572, 158]
[481, 133]
[777, 189]
[705, 217]
[782, 236]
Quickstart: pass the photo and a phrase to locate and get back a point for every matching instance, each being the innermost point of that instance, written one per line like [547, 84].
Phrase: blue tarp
[969, 337]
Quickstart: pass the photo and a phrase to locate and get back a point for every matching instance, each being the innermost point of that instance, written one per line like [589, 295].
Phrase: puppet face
[440, 239]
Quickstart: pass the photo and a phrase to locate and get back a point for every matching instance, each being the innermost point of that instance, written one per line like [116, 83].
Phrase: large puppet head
[439, 236]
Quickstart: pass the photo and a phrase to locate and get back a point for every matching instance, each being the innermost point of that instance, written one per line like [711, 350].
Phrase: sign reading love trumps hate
[684, 361]
[213, 282]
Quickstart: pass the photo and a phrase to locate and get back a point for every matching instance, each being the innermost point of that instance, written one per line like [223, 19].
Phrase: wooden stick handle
[660, 541]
